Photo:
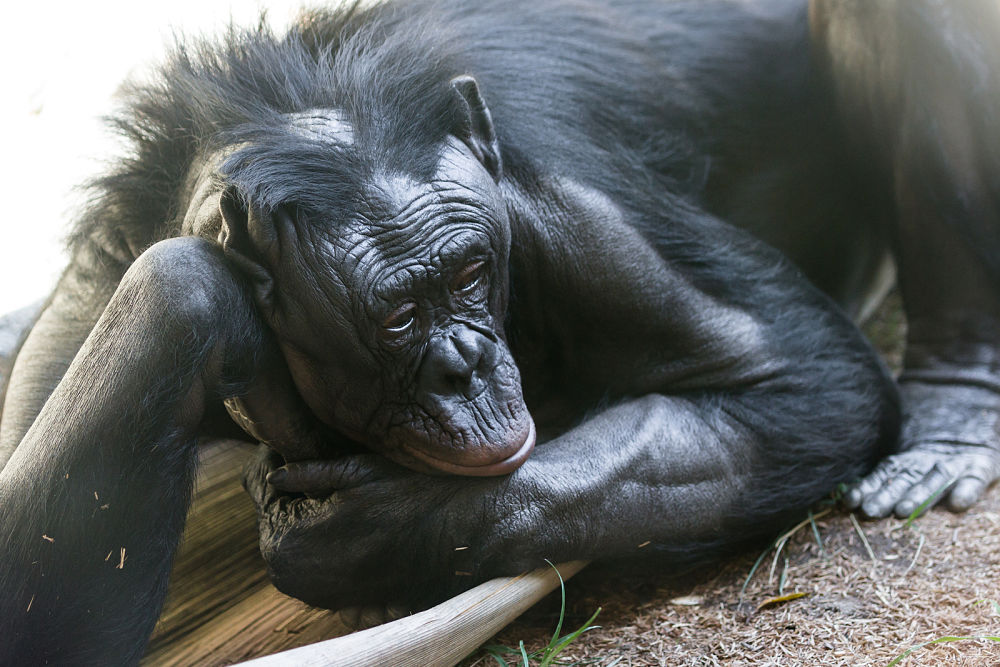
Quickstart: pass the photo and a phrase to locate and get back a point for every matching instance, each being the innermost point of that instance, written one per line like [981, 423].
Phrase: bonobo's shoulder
[557, 215]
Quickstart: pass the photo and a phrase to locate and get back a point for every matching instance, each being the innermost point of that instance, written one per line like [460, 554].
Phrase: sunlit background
[61, 64]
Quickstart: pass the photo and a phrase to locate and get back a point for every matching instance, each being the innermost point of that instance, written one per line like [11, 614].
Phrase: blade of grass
[760, 559]
[992, 603]
[819, 540]
[783, 539]
[562, 606]
[556, 644]
[940, 640]
[864, 538]
[920, 545]
[524, 655]
[496, 655]
[922, 507]
[569, 638]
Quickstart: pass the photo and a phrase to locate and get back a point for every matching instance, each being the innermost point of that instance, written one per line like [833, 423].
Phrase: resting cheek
[339, 397]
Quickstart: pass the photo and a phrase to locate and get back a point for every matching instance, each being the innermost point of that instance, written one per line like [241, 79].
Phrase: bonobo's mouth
[501, 467]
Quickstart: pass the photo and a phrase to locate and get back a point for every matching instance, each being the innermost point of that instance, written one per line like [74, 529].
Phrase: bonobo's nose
[457, 362]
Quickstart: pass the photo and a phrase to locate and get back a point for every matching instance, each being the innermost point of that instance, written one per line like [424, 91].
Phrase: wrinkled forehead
[394, 222]
[401, 214]
[412, 231]
[327, 126]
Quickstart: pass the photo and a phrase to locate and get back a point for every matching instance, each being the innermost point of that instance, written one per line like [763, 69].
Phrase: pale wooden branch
[438, 637]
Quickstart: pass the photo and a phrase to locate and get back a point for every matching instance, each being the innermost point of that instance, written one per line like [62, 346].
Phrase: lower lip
[508, 465]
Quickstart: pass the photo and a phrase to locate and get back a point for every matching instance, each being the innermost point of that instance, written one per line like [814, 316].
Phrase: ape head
[386, 282]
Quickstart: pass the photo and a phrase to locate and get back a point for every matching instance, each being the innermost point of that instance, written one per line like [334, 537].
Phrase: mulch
[872, 590]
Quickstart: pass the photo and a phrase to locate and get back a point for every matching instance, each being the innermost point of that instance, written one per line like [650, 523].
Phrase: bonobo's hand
[363, 531]
[949, 441]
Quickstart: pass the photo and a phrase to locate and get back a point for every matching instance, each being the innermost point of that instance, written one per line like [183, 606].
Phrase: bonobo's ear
[246, 236]
[474, 124]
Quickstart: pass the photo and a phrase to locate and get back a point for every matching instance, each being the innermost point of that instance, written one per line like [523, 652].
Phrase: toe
[966, 492]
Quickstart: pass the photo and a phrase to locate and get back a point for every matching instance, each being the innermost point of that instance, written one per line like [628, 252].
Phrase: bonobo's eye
[400, 320]
[469, 280]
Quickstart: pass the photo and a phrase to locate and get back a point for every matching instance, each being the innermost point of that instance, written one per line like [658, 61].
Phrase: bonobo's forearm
[650, 468]
[97, 491]
[662, 473]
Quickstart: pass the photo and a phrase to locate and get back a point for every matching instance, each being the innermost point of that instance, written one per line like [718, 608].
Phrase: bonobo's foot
[950, 444]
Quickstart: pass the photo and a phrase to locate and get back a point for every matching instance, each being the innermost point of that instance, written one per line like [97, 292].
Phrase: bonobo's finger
[277, 512]
[852, 499]
[882, 502]
[318, 478]
[362, 618]
[866, 487]
[255, 474]
[934, 482]
[966, 492]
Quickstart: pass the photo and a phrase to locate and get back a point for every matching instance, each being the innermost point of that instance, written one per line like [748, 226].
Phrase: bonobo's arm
[738, 395]
[94, 498]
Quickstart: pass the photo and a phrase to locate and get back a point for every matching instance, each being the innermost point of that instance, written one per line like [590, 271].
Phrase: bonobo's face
[392, 320]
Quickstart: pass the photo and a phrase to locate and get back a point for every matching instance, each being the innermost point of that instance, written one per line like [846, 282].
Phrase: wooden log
[438, 637]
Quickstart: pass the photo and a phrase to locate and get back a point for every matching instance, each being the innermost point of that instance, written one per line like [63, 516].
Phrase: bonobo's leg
[14, 327]
[63, 324]
[94, 497]
[918, 84]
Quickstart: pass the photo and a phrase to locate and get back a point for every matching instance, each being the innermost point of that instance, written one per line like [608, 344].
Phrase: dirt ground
[872, 590]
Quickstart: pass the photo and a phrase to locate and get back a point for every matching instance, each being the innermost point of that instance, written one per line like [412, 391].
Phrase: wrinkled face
[391, 321]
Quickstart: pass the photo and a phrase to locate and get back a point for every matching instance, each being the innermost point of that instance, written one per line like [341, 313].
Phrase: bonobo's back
[578, 87]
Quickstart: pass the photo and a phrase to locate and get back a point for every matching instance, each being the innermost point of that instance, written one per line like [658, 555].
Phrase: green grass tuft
[546, 657]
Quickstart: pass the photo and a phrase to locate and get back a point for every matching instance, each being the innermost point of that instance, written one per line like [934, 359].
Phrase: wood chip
[688, 600]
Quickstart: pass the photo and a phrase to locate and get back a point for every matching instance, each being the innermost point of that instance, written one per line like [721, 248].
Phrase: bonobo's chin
[506, 460]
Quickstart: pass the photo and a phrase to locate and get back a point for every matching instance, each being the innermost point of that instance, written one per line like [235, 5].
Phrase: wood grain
[221, 609]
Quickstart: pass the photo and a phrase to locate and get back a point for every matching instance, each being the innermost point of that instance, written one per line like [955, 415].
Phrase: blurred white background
[61, 63]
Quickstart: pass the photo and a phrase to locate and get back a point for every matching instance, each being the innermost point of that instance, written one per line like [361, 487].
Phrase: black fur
[692, 388]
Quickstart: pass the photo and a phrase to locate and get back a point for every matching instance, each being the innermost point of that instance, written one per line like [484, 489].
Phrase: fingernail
[276, 477]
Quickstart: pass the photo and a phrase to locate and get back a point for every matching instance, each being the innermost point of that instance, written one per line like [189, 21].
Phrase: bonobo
[539, 279]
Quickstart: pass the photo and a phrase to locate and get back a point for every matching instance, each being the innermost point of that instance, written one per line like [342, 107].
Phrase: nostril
[456, 363]
[445, 369]
[460, 363]
[470, 348]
